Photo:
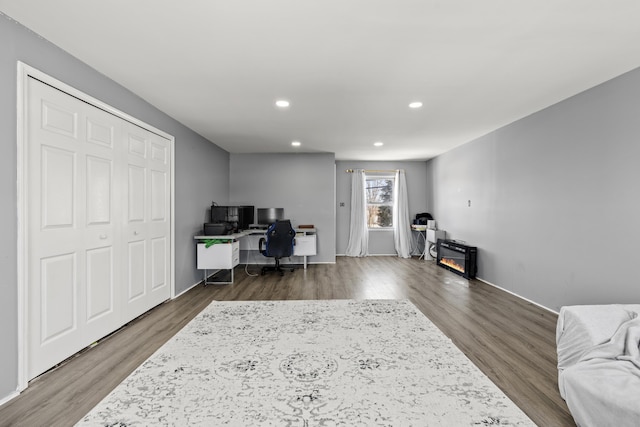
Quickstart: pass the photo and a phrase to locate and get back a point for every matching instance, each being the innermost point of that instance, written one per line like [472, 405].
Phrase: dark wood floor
[510, 340]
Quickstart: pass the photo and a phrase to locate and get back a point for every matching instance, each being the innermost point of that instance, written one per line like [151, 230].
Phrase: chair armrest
[260, 243]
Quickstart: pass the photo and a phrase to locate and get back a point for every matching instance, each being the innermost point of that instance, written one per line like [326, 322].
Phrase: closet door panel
[100, 281]
[137, 276]
[159, 251]
[102, 142]
[159, 217]
[58, 297]
[148, 199]
[55, 286]
[58, 185]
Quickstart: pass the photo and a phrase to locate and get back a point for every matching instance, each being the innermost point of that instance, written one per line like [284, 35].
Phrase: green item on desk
[211, 242]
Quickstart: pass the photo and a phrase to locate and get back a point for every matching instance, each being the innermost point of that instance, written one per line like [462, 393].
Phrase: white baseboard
[490, 284]
[372, 255]
[516, 295]
[188, 289]
[9, 397]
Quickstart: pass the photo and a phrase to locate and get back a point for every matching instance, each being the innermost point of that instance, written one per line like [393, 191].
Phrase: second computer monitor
[267, 216]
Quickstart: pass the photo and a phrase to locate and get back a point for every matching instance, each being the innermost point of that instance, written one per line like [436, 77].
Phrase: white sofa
[599, 363]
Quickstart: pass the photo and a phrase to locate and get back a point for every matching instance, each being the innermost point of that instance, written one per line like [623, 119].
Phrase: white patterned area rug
[308, 364]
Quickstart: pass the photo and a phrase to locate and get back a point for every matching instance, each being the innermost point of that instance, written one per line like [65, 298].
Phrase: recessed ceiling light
[296, 143]
[416, 104]
[282, 103]
[378, 144]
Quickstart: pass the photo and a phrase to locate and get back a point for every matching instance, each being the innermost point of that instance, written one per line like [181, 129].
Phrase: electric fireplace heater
[457, 257]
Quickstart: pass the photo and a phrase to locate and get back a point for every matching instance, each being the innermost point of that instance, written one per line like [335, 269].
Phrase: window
[380, 196]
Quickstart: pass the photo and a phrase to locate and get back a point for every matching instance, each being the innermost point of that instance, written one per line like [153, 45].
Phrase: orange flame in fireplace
[452, 263]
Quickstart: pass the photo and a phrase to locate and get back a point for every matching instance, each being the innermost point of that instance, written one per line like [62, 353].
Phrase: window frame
[380, 176]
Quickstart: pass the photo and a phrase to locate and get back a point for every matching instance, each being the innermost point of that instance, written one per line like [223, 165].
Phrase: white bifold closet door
[146, 221]
[98, 224]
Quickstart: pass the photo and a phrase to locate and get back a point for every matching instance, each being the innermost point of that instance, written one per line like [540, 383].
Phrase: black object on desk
[239, 217]
[217, 229]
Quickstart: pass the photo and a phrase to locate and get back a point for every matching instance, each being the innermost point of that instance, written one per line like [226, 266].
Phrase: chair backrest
[279, 241]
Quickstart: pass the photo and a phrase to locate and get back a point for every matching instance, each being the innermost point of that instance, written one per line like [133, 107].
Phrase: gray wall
[380, 242]
[302, 184]
[201, 169]
[555, 199]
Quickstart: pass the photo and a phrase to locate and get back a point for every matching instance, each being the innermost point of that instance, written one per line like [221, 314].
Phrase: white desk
[226, 255]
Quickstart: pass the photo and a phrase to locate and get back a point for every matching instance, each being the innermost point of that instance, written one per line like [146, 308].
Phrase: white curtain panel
[358, 245]
[401, 221]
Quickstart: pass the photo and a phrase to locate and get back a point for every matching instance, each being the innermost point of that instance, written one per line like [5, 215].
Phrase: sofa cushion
[599, 363]
[581, 327]
[603, 393]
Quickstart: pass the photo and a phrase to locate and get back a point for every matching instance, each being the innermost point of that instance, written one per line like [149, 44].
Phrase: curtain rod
[373, 170]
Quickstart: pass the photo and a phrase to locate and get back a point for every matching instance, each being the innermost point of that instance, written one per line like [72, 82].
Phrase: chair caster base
[278, 268]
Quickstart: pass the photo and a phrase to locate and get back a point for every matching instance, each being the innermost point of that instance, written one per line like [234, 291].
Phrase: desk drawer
[305, 245]
[235, 256]
[218, 256]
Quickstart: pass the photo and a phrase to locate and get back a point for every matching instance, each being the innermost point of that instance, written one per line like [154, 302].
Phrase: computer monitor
[239, 217]
[267, 216]
[218, 214]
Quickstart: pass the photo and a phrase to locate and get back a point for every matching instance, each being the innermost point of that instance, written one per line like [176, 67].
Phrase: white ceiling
[348, 67]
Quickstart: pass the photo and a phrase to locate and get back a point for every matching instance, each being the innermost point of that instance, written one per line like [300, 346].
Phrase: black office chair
[279, 243]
